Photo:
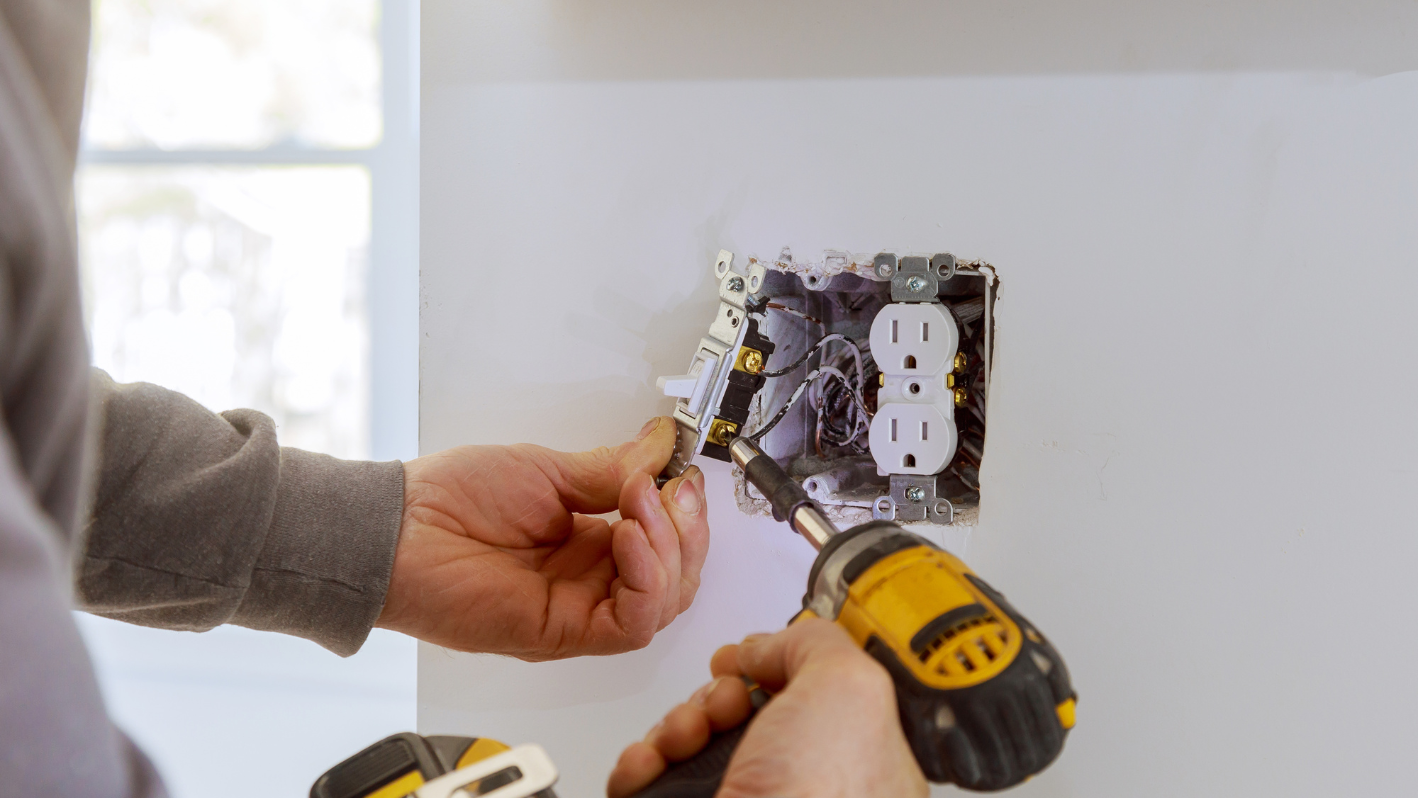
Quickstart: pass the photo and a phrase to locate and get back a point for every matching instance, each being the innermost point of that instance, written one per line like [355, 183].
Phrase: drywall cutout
[891, 422]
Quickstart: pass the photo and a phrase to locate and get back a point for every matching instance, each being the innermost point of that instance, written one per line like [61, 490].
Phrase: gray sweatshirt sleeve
[201, 519]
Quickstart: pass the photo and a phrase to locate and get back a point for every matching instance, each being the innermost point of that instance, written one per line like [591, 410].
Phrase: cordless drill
[985, 700]
[413, 766]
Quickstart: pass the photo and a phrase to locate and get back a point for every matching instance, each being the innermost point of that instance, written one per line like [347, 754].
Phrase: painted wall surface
[1203, 448]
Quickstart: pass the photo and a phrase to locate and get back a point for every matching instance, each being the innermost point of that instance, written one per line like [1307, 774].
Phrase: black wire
[838, 419]
[792, 400]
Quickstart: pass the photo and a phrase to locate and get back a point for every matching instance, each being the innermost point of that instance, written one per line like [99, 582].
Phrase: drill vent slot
[966, 647]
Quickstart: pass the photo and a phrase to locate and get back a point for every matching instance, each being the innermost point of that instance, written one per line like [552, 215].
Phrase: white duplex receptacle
[914, 345]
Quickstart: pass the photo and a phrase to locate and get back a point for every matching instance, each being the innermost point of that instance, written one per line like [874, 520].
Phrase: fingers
[726, 702]
[591, 482]
[640, 500]
[684, 501]
[720, 705]
[683, 732]
[725, 662]
[774, 660]
[658, 530]
[639, 765]
[637, 595]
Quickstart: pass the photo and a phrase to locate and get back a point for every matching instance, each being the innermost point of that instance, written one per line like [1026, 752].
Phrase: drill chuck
[789, 501]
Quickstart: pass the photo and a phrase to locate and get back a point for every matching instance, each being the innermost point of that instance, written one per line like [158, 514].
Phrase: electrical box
[866, 376]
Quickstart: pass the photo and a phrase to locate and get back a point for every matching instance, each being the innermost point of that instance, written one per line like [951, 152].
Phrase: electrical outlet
[910, 438]
[914, 345]
[913, 338]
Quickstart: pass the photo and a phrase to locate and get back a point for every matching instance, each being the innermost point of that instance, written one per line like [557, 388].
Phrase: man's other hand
[498, 551]
[831, 728]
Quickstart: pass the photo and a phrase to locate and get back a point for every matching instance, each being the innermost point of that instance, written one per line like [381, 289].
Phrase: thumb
[590, 482]
[774, 660]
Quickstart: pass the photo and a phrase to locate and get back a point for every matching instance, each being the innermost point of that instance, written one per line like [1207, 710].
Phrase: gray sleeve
[201, 519]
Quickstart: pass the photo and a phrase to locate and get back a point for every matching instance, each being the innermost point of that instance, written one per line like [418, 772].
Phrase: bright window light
[237, 286]
[175, 74]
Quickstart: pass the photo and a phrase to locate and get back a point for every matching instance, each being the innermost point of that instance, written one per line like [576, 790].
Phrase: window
[239, 286]
[247, 215]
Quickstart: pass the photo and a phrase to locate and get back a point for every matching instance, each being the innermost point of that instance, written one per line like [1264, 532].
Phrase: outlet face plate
[913, 431]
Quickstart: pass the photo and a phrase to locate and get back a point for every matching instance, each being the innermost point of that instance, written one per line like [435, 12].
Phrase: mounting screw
[915, 493]
[916, 284]
[736, 283]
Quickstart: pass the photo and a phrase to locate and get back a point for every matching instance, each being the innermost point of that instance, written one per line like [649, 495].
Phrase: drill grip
[700, 775]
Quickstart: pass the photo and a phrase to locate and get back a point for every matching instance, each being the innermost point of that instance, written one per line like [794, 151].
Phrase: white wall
[1202, 445]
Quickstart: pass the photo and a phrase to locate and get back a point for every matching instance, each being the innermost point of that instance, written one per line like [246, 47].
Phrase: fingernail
[754, 639]
[695, 475]
[650, 426]
[686, 497]
[653, 733]
[702, 693]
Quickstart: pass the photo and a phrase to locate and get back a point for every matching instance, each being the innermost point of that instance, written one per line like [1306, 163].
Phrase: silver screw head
[915, 493]
[916, 284]
[735, 283]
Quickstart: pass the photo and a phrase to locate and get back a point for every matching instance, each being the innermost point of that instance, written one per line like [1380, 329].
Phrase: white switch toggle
[681, 386]
[694, 385]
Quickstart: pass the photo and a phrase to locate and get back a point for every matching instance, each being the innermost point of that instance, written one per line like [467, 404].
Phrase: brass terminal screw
[722, 432]
[961, 397]
[752, 361]
[961, 361]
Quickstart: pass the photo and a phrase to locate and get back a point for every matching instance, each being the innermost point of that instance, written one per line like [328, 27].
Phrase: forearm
[201, 519]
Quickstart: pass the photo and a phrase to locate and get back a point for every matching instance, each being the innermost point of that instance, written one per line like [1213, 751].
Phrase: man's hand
[831, 728]
[497, 553]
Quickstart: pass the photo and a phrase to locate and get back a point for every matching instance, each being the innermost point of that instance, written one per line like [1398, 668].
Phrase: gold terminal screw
[961, 397]
[722, 432]
[961, 361]
[752, 361]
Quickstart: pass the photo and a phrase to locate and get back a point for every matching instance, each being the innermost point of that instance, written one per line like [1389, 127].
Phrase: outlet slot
[895, 332]
[925, 436]
[925, 332]
[893, 430]
[910, 360]
[909, 461]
